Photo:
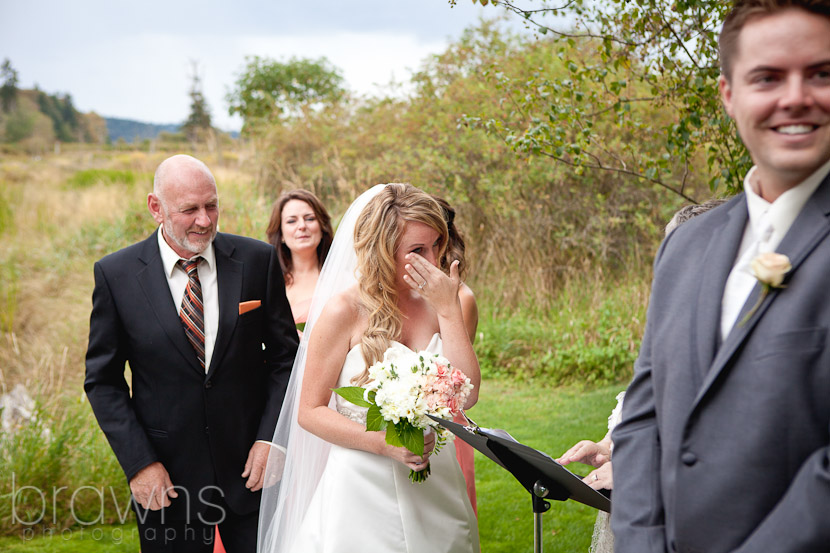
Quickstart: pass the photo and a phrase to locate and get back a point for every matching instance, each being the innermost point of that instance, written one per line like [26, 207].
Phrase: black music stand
[540, 475]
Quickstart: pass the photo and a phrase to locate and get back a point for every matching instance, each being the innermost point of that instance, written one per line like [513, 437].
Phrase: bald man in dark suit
[202, 319]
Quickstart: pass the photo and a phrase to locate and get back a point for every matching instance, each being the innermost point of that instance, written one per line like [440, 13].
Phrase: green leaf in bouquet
[300, 326]
[374, 420]
[411, 437]
[353, 394]
[393, 438]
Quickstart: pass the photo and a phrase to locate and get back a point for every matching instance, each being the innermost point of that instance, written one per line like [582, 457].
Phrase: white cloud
[133, 60]
[368, 60]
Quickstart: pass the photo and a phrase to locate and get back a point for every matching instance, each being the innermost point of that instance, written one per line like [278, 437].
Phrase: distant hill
[133, 131]
[37, 120]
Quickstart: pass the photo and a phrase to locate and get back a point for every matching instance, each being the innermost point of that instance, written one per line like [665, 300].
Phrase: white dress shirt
[768, 224]
[177, 279]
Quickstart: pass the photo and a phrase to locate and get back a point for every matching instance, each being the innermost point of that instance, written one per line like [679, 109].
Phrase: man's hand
[152, 488]
[255, 466]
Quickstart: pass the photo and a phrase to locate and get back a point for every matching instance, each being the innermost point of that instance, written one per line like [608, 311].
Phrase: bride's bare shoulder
[343, 309]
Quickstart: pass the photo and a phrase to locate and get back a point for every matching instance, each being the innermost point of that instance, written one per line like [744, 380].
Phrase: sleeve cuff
[272, 444]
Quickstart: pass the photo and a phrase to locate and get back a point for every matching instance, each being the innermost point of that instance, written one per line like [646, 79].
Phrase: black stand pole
[540, 506]
[545, 479]
[539, 486]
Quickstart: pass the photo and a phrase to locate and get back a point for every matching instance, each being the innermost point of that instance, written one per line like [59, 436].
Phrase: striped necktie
[192, 312]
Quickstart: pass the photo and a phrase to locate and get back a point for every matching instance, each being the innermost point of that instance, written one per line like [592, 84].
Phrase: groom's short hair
[746, 10]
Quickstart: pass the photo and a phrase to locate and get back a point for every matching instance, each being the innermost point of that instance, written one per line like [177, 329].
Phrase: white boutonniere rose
[770, 269]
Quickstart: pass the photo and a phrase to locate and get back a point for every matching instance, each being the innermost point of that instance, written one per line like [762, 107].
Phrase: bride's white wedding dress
[603, 539]
[366, 503]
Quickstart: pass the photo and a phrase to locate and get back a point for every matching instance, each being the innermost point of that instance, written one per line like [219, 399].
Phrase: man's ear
[154, 205]
[725, 94]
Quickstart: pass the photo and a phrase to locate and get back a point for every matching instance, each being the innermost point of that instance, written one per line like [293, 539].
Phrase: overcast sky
[132, 59]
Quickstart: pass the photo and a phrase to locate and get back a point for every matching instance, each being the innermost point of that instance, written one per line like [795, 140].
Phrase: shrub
[59, 472]
[90, 177]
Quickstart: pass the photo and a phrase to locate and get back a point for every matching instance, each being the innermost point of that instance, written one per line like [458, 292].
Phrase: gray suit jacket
[725, 446]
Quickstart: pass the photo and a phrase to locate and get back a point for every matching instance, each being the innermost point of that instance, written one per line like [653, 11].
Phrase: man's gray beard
[185, 244]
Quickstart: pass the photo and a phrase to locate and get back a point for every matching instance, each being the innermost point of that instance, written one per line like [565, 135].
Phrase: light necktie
[741, 280]
[192, 312]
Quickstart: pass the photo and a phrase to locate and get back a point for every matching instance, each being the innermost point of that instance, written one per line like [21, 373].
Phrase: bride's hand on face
[438, 289]
[412, 461]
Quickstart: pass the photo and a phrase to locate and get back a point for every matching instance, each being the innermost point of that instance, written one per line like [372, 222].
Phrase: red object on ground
[217, 545]
[464, 453]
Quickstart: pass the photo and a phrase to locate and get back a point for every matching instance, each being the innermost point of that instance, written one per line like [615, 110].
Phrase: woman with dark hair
[469, 310]
[337, 487]
[300, 229]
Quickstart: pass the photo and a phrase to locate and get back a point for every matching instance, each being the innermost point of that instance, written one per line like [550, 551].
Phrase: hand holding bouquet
[406, 387]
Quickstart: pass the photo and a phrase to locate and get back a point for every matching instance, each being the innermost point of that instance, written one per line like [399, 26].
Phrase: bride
[333, 485]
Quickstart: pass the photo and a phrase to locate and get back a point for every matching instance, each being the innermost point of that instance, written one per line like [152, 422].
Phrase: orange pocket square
[246, 306]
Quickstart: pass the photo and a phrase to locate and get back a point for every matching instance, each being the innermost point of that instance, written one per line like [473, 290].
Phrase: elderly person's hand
[152, 488]
[255, 466]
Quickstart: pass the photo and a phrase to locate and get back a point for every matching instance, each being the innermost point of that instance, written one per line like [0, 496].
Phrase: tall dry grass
[58, 215]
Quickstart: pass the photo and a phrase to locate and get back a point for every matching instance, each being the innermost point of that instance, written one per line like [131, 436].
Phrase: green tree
[8, 90]
[197, 127]
[68, 113]
[19, 125]
[268, 91]
[627, 59]
[56, 108]
[532, 218]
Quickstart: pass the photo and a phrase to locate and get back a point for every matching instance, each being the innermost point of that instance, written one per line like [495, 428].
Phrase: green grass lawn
[90, 539]
[548, 419]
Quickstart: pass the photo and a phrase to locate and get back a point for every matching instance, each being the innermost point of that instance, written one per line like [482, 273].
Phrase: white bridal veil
[296, 463]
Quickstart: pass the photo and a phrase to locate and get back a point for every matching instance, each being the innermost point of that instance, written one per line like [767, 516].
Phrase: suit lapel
[229, 282]
[808, 230]
[717, 263]
[157, 291]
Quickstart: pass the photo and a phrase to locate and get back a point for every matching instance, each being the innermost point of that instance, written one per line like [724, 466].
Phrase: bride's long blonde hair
[377, 236]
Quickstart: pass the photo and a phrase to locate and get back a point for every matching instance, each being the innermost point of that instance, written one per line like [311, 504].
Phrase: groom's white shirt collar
[781, 214]
[784, 210]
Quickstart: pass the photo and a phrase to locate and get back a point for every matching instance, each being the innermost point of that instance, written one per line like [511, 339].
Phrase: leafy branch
[635, 76]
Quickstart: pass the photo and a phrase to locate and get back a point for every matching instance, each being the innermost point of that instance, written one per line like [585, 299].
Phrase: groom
[202, 319]
[725, 438]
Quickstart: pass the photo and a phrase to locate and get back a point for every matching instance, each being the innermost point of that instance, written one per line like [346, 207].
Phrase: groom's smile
[778, 93]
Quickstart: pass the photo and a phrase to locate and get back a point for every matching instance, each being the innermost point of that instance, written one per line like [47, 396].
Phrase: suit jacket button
[688, 458]
[208, 384]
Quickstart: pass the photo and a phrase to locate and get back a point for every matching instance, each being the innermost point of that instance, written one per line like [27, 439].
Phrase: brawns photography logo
[97, 512]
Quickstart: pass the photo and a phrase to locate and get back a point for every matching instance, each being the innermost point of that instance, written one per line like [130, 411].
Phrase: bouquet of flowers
[406, 387]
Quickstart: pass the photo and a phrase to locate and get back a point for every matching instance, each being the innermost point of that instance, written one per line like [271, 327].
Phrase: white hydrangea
[399, 382]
